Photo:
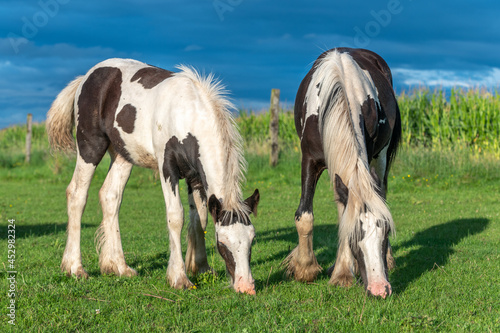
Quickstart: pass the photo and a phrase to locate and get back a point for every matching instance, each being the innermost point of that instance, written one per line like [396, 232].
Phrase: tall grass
[255, 131]
[467, 119]
[13, 145]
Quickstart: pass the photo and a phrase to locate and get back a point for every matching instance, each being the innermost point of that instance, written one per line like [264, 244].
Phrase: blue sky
[252, 45]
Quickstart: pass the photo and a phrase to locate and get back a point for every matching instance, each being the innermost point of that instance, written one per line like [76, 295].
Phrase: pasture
[443, 194]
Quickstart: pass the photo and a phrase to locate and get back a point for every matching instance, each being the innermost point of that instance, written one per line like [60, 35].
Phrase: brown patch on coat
[126, 118]
[97, 104]
[182, 161]
[150, 77]
[228, 258]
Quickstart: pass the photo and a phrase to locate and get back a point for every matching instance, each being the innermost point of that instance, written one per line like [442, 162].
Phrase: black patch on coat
[150, 77]
[313, 164]
[341, 190]
[369, 61]
[369, 110]
[253, 201]
[226, 218]
[182, 161]
[385, 248]
[369, 124]
[126, 118]
[228, 258]
[300, 108]
[358, 254]
[361, 265]
[97, 104]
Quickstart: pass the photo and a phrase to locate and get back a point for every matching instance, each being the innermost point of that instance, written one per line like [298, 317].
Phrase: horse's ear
[253, 201]
[215, 207]
[341, 190]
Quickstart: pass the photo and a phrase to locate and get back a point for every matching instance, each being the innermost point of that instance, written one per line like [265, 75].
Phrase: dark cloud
[253, 46]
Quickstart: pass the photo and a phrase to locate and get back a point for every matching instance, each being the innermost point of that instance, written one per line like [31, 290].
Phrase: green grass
[443, 195]
[446, 250]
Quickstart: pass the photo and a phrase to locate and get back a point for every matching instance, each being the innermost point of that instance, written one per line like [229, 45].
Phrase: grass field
[445, 203]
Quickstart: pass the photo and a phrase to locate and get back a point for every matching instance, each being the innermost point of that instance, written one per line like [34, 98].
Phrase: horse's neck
[223, 175]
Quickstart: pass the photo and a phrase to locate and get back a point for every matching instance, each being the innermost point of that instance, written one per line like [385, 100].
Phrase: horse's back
[379, 116]
[135, 108]
[385, 123]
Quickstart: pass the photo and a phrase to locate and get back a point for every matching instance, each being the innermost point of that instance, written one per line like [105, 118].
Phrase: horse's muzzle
[243, 286]
[379, 289]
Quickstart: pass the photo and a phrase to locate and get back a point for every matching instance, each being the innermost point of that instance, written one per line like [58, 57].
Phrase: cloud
[258, 46]
[30, 80]
[193, 47]
[489, 78]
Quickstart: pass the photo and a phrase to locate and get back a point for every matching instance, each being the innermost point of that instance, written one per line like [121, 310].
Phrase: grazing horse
[348, 121]
[178, 124]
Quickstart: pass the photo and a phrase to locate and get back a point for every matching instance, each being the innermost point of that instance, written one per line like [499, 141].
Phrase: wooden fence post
[28, 138]
[274, 126]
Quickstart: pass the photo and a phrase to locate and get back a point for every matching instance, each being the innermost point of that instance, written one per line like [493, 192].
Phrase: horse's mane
[342, 85]
[232, 143]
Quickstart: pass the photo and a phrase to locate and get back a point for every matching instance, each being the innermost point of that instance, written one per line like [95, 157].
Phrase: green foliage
[255, 131]
[443, 195]
[446, 250]
[13, 146]
[466, 119]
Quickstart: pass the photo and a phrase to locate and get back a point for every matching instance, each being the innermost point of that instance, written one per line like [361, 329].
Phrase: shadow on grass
[38, 230]
[144, 265]
[325, 242]
[434, 246]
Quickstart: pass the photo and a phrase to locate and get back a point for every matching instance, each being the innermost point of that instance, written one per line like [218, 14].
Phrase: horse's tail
[342, 88]
[60, 118]
[232, 142]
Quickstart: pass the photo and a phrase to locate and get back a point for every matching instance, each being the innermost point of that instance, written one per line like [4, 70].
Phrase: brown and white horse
[176, 123]
[348, 121]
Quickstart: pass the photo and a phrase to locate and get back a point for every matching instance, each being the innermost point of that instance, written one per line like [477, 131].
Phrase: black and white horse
[176, 123]
[348, 121]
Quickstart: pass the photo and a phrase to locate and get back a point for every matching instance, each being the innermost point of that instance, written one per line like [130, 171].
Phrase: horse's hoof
[342, 280]
[78, 272]
[114, 269]
[305, 270]
[129, 272]
[181, 283]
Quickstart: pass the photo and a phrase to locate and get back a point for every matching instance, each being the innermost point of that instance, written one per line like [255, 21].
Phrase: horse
[348, 121]
[178, 124]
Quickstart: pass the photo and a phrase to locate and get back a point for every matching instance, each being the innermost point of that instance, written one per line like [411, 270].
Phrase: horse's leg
[380, 164]
[76, 194]
[342, 272]
[176, 270]
[301, 262]
[196, 254]
[108, 240]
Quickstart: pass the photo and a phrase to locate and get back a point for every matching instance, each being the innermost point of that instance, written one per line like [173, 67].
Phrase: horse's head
[234, 233]
[369, 244]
